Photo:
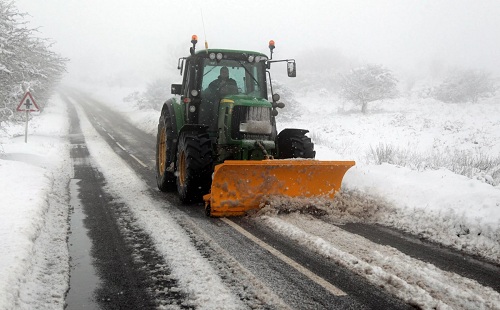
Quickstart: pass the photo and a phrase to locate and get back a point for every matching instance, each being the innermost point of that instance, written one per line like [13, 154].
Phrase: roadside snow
[436, 204]
[34, 265]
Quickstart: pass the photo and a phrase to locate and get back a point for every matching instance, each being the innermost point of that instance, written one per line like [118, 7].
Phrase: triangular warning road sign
[28, 103]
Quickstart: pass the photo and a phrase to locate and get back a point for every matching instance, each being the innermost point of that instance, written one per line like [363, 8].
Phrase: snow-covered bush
[368, 83]
[292, 107]
[136, 98]
[26, 62]
[156, 93]
[466, 86]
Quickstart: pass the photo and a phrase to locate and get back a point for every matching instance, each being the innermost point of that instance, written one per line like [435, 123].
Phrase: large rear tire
[165, 177]
[295, 144]
[194, 166]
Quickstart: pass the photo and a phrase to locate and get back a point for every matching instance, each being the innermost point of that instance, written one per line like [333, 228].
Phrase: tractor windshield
[247, 78]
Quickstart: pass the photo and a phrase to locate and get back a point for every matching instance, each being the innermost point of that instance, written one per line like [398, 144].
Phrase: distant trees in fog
[292, 107]
[26, 62]
[332, 71]
[466, 86]
[156, 93]
[366, 84]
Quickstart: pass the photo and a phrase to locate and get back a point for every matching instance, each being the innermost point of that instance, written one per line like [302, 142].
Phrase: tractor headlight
[251, 58]
[257, 58]
[192, 108]
[212, 56]
[219, 56]
[194, 92]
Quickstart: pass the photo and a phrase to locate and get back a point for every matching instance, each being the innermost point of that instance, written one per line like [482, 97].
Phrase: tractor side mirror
[180, 64]
[176, 89]
[291, 68]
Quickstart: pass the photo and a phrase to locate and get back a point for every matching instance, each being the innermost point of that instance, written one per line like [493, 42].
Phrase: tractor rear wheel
[194, 166]
[165, 177]
[295, 144]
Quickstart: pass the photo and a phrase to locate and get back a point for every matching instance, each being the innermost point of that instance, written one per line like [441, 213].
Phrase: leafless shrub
[478, 166]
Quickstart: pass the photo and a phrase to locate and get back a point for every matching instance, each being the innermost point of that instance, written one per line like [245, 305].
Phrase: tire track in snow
[320, 281]
[234, 275]
[195, 276]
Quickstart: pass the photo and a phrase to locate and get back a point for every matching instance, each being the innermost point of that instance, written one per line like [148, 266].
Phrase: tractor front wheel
[295, 144]
[194, 166]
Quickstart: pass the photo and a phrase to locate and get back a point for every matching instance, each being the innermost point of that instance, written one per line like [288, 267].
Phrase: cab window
[249, 77]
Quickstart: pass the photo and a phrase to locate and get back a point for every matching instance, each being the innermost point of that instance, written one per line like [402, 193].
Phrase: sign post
[27, 104]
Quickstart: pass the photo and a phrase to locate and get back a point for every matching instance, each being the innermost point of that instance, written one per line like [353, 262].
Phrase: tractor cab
[203, 88]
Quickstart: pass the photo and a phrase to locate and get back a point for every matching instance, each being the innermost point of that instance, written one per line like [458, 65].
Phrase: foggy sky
[144, 38]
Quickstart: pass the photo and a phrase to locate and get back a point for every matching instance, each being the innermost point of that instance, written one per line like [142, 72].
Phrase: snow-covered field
[433, 202]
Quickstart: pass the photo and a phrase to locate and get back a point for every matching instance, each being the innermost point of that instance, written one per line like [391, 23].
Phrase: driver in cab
[222, 86]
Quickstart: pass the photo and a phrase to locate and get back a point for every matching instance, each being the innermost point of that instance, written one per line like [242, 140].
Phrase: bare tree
[26, 62]
[466, 86]
[366, 84]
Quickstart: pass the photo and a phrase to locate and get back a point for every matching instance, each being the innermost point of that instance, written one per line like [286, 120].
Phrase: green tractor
[220, 119]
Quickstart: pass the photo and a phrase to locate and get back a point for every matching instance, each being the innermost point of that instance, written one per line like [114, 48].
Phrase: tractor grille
[243, 114]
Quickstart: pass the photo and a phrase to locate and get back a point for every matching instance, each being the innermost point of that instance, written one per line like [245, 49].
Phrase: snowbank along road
[150, 251]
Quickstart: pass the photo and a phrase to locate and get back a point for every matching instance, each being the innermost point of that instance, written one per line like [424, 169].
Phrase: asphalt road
[116, 279]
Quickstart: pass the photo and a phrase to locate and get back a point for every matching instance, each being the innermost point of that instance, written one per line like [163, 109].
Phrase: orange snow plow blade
[242, 185]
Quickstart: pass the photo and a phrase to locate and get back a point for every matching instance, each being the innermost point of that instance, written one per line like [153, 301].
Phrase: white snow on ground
[433, 202]
[416, 282]
[34, 261]
[437, 204]
[429, 201]
[195, 275]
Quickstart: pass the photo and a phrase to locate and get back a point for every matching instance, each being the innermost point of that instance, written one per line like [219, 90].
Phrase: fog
[109, 39]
